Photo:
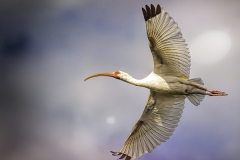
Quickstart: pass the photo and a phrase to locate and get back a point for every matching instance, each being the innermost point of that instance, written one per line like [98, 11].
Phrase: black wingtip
[144, 14]
[122, 155]
[148, 12]
[151, 11]
[128, 158]
[158, 11]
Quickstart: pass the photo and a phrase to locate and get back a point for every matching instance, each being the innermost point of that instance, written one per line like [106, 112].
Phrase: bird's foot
[217, 93]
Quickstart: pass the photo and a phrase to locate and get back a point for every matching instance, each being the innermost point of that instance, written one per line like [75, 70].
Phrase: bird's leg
[211, 92]
[216, 93]
[202, 88]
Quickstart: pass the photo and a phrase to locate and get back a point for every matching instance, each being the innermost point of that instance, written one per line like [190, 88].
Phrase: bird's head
[117, 74]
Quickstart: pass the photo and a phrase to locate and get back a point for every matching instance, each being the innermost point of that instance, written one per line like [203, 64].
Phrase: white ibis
[169, 85]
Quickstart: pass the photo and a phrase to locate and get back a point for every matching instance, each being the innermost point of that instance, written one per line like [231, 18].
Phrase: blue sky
[48, 47]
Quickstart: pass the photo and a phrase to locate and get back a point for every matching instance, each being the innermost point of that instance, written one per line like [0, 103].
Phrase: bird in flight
[169, 85]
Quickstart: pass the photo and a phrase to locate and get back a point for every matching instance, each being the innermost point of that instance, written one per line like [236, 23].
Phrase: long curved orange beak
[109, 74]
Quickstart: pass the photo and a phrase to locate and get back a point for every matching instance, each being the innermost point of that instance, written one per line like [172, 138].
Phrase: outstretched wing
[169, 49]
[157, 123]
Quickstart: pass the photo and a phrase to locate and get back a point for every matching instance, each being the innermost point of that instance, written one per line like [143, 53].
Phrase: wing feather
[169, 49]
[158, 11]
[157, 123]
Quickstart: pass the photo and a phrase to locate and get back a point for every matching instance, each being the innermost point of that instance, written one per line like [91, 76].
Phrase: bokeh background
[47, 48]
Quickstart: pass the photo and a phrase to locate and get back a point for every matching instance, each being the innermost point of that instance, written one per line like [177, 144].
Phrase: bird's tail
[196, 98]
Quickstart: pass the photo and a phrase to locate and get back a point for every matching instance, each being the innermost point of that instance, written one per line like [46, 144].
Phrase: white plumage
[169, 85]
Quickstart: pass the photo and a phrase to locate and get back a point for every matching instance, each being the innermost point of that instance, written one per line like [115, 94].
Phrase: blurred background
[48, 47]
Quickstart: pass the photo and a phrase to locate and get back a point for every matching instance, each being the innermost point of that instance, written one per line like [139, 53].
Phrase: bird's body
[166, 84]
[169, 85]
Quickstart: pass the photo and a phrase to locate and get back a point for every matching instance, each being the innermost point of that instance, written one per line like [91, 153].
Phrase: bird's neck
[145, 82]
[152, 81]
[134, 81]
